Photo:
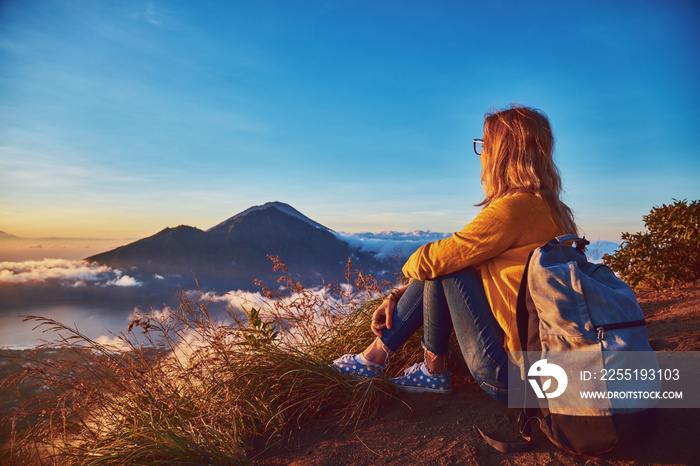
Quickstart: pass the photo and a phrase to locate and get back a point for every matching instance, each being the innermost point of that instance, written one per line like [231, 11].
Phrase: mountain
[235, 252]
[4, 235]
[282, 207]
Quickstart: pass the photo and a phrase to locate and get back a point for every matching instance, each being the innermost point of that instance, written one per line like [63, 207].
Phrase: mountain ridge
[281, 206]
[236, 251]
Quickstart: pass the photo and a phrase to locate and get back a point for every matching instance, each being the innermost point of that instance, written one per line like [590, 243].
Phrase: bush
[667, 254]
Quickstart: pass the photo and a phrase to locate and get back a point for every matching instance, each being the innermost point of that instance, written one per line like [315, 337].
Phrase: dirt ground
[438, 429]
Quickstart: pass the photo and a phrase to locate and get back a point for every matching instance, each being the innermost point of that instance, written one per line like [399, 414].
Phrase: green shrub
[667, 254]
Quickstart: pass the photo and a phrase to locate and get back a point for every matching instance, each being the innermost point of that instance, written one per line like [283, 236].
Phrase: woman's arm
[494, 230]
[383, 315]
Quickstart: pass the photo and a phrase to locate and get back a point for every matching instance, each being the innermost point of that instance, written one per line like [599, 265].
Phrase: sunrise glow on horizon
[120, 119]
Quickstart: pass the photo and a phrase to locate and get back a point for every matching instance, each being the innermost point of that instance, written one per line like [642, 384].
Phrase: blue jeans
[456, 301]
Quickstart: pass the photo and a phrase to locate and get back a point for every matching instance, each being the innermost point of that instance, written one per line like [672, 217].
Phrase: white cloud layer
[300, 317]
[67, 272]
[391, 244]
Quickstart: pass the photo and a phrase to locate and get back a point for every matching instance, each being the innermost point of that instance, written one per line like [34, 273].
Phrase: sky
[121, 118]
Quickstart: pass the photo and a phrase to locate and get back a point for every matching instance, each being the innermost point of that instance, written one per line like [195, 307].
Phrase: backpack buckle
[581, 244]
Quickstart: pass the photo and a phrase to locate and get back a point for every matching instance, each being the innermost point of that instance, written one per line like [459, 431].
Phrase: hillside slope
[438, 429]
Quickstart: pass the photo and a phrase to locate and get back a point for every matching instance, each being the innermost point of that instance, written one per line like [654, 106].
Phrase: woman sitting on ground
[469, 282]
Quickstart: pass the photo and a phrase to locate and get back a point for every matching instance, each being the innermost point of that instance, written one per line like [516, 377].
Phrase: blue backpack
[571, 308]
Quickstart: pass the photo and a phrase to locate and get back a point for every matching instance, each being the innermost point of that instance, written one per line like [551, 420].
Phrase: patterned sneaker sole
[407, 389]
[350, 366]
[366, 371]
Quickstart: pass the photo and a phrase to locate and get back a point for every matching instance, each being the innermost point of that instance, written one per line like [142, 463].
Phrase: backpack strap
[527, 415]
[524, 421]
[581, 243]
[521, 315]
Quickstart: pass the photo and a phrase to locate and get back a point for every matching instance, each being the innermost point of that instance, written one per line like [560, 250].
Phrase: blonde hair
[518, 152]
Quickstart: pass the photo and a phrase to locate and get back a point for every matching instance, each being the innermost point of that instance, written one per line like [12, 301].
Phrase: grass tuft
[194, 386]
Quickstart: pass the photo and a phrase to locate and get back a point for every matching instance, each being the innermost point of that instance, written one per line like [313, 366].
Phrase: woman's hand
[383, 315]
[381, 318]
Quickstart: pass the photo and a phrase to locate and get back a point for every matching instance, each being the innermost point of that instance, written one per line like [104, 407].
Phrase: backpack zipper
[617, 325]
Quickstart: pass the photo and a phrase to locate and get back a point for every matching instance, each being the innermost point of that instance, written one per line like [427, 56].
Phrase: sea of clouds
[101, 298]
[391, 244]
[65, 272]
[77, 273]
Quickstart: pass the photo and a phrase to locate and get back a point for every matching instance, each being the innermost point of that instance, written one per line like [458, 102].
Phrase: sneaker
[356, 364]
[417, 379]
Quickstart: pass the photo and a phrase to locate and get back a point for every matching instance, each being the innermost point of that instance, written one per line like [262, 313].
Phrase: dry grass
[187, 386]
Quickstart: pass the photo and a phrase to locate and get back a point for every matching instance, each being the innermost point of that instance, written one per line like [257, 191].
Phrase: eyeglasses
[478, 146]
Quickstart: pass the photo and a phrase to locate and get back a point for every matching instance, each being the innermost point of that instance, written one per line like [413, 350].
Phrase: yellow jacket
[497, 242]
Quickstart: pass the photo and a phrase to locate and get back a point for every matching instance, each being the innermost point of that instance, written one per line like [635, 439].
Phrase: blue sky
[119, 118]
